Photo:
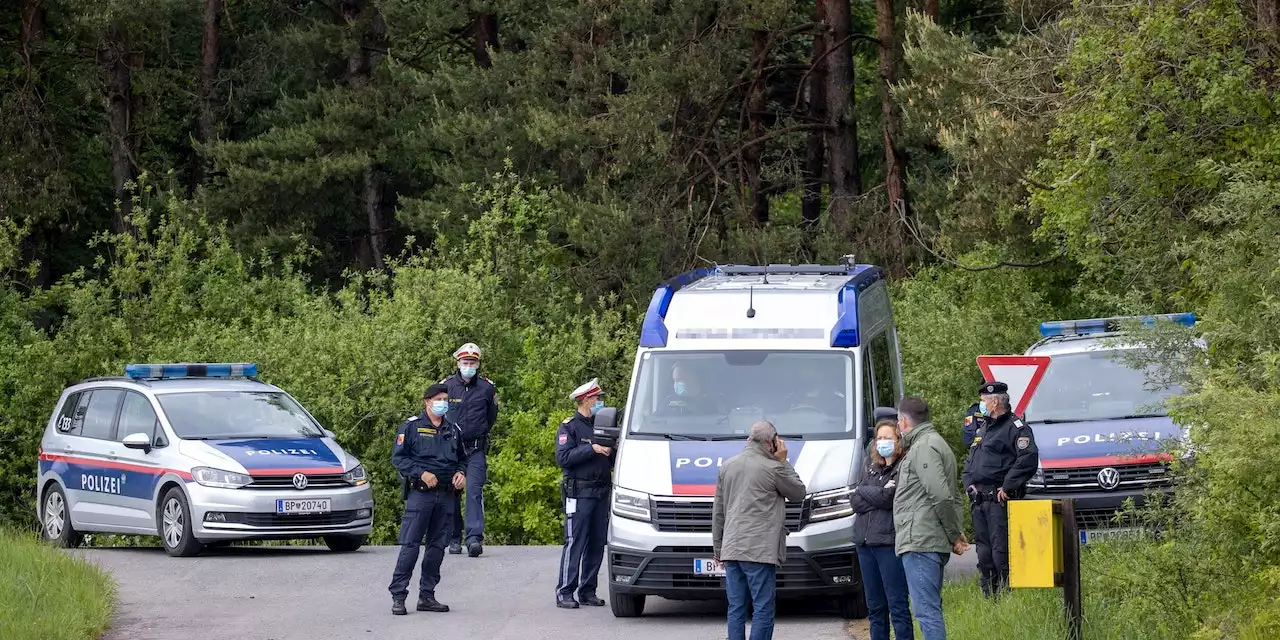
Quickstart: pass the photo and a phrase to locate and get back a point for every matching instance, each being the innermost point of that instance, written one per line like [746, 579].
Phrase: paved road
[304, 593]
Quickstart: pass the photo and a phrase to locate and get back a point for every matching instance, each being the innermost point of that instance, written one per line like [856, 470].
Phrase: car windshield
[715, 395]
[219, 415]
[1098, 385]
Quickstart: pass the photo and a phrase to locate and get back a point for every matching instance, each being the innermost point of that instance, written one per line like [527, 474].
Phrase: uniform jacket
[587, 474]
[1004, 455]
[422, 446]
[873, 502]
[927, 504]
[749, 516]
[973, 422]
[473, 405]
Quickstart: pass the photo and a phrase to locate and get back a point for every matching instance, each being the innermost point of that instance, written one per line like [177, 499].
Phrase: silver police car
[197, 454]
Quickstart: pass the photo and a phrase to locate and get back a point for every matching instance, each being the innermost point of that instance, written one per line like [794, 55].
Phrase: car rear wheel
[626, 606]
[55, 519]
[175, 525]
[344, 544]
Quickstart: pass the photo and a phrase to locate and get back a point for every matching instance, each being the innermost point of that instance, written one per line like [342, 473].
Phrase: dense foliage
[344, 191]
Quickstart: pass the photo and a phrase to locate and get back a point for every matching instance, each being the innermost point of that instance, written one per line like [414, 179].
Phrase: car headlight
[829, 505]
[632, 505]
[356, 476]
[211, 477]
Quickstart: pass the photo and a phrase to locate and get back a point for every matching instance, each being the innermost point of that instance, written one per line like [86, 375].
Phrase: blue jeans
[924, 582]
[477, 473]
[755, 583]
[884, 582]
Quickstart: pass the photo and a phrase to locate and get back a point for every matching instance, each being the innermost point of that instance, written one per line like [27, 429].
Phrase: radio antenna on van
[751, 297]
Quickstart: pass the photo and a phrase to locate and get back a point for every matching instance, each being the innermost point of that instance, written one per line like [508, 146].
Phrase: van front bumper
[1097, 509]
[667, 572]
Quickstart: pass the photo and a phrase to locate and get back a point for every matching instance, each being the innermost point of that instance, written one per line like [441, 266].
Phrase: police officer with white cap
[588, 469]
[473, 403]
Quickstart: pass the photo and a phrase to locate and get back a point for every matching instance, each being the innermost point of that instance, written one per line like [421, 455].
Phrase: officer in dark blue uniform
[473, 404]
[974, 421]
[588, 469]
[1002, 459]
[428, 455]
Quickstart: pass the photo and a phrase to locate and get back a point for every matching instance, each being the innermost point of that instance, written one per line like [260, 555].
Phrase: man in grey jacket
[926, 514]
[748, 530]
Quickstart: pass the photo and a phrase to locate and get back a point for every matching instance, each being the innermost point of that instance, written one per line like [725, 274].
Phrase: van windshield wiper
[727, 437]
[681, 436]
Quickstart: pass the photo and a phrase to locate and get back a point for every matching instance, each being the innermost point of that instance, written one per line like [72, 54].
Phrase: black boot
[455, 548]
[428, 603]
[591, 600]
[474, 549]
[397, 608]
[566, 602]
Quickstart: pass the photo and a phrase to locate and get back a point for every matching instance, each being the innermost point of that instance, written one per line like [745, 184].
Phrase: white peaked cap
[587, 389]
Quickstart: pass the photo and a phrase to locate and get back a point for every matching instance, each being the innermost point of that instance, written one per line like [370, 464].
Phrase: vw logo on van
[1109, 478]
[300, 481]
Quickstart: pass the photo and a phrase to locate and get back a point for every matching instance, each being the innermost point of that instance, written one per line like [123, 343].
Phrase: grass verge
[47, 594]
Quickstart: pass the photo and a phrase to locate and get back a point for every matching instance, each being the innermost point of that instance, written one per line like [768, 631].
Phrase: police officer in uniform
[974, 421]
[585, 488]
[473, 404]
[428, 455]
[1002, 459]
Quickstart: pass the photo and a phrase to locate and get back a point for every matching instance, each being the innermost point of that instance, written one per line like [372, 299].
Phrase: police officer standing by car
[588, 469]
[974, 421]
[428, 455]
[1002, 459]
[473, 404]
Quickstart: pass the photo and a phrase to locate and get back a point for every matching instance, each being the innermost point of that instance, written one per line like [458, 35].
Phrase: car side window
[136, 416]
[101, 414]
[71, 417]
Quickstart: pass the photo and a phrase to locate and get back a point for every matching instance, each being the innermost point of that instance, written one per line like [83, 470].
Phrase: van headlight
[1037, 479]
[356, 476]
[632, 505]
[829, 505]
[211, 477]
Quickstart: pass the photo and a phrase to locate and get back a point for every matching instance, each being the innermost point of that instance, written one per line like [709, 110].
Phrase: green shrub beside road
[47, 594]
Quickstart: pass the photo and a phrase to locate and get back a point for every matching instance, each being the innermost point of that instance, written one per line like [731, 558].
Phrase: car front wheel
[175, 525]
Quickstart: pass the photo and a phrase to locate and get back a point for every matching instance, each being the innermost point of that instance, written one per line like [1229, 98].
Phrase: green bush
[46, 594]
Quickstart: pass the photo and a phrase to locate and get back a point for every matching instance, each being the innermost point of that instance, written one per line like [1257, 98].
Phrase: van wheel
[344, 544]
[174, 519]
[626, 606]
[852, 606]
[55, 520]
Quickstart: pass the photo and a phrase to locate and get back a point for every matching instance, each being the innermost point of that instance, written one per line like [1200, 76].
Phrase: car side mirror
[605, 431]
[138, 441]
[329, 434]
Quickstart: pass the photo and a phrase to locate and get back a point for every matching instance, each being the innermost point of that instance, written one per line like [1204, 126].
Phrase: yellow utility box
[1035, 544]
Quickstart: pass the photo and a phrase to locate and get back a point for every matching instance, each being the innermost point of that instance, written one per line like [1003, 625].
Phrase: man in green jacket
[926, 514]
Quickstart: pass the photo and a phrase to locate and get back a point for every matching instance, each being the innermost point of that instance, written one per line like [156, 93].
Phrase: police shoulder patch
[564, 437]
[968, 420]
[399, 439]
[1024, 442]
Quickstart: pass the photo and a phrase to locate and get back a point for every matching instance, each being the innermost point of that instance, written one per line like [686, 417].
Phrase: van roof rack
[786, 269]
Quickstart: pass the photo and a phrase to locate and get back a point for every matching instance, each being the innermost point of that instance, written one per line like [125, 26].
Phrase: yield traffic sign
[1021, 373]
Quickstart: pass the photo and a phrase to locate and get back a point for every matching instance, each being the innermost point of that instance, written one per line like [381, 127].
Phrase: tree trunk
[815, 149]
[895, 155]
[113, 55]
[755, 106]
[208, 75]
[360, 65]
[484, 28]
[32, 33]
[846, 181]
[932, 10]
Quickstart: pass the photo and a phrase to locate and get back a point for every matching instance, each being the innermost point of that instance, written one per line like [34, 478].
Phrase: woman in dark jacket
[883, 580]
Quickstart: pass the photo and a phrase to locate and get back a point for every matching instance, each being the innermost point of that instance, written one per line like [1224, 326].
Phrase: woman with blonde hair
[884, 582]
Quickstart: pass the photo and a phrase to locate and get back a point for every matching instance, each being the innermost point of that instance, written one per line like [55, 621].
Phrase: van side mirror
[137, 441]
[605, 430]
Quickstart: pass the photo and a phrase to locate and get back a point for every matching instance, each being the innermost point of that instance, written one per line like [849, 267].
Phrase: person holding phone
[748, 527]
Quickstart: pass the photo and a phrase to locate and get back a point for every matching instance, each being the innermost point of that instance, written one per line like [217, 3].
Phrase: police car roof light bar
[192, 370]
[1105, 325]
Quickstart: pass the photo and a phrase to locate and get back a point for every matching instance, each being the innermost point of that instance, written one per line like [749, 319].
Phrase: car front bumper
[243, 514]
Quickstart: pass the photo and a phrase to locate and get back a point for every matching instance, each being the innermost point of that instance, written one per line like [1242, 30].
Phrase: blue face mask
[439, 407]
[597, 407]
[680, 388]
[467, 372]
[982, 408]
[884, 448]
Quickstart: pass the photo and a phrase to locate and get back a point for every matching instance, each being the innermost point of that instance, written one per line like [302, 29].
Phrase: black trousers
[427, 517]
[586, 529]
[991, 536]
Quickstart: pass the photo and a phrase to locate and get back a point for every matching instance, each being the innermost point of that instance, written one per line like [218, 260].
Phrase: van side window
[136, 416]
[882, 371]
[71, 417]
[101, 415]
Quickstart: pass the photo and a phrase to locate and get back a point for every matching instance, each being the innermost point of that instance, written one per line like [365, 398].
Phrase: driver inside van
[814, 391]
[689, 395]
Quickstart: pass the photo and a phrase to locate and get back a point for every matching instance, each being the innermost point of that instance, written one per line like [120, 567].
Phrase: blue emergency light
[192, 370]
[1104, 325]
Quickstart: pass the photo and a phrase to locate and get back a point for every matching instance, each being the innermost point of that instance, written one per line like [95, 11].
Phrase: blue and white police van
[1101, 423]
[196, 454]
[811, 348]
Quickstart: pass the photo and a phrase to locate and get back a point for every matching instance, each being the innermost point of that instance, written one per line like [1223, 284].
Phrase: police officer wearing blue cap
[588, 469]
[428, 455]
[1002, 459]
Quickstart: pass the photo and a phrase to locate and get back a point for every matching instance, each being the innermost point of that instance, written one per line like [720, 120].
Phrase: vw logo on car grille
[1108, 478]
[300, 481]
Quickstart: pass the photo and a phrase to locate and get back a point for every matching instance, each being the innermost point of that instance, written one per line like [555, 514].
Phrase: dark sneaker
[566, 602]
[474, 549]
[591, 600]
[455, 548]
[397, 608]
[430, 604]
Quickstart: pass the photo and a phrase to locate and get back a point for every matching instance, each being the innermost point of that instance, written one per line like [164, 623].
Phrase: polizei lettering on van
[282, 452]
[701, 463]
[1086, 438]
[100, 484]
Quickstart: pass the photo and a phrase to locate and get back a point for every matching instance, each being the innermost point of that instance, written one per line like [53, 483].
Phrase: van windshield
[719, 395]
[1098, 385]
[226, 415]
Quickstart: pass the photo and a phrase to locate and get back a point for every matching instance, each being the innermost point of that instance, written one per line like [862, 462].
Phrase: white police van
[813, 349]
[1102, 425]
[196, 454]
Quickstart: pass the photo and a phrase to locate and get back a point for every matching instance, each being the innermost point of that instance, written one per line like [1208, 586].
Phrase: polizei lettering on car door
[101, 484]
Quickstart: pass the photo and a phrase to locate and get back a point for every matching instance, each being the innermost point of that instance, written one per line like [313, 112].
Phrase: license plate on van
[302, 507]
[1099, 535]
[706, 567]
